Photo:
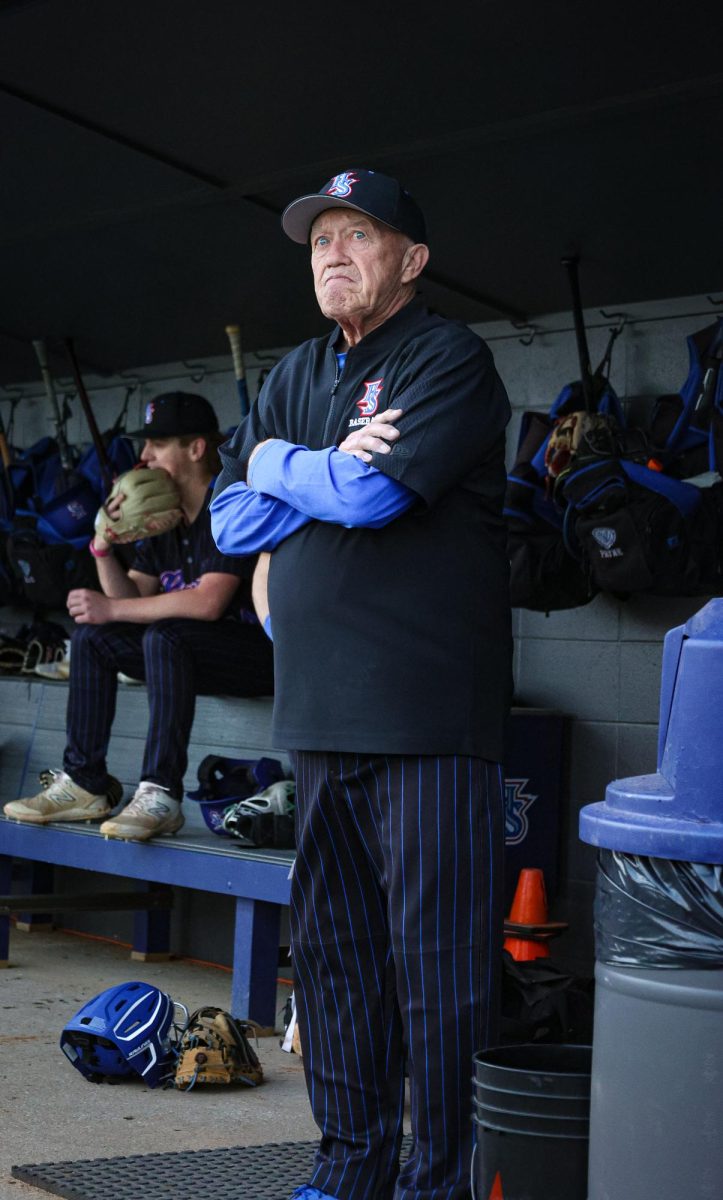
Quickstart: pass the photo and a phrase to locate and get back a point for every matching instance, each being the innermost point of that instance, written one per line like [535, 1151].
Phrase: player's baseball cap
[377, 195]
[174, 413]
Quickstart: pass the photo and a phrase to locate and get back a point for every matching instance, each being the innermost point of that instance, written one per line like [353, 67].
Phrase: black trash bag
[542, 1003]
[658, 912]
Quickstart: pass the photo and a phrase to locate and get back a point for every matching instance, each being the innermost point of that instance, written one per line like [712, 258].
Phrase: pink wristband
[98, 553]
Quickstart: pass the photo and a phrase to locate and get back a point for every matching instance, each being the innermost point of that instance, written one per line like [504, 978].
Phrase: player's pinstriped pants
[179, 660]
[396, 932]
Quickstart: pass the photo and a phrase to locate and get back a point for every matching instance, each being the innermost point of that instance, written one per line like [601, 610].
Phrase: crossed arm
[289, 485]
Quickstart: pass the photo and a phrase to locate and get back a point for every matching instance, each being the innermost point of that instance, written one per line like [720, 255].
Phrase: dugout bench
[32, 738]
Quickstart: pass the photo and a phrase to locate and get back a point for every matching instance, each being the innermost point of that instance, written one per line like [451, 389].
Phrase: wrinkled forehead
[346, 218]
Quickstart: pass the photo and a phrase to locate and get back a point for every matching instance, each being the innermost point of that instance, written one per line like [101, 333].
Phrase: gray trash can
[656, 1105]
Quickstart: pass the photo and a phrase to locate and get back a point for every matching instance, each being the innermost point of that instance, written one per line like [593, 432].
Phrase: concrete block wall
[600, 663]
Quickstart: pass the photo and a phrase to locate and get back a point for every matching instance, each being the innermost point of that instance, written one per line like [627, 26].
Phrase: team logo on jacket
[369, 402]
[517, 803]
[341, 185]
[173, 581]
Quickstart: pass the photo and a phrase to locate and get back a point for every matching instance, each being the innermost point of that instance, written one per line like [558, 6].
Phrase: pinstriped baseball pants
[179, 660]
[396, 933]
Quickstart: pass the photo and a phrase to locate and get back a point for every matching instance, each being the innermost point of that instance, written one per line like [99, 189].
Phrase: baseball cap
[378, 196]
[174, 413]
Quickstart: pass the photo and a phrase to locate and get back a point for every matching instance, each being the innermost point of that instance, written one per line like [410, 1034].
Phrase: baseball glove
[214, 1048]
[151, 505]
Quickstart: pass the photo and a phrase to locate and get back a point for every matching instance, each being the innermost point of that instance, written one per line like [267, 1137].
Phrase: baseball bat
[583, 354]
[4, 447]
[106, 469]
[6, 483]
[233, 333]
[41, 353]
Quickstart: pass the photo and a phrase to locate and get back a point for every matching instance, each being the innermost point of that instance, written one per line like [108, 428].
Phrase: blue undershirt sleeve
[243, 522]
[329, 485]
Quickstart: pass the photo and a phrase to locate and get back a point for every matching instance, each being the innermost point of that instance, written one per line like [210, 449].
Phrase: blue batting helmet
[126, 1030]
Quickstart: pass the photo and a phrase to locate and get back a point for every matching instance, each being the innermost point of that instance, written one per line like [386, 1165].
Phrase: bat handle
[571, 264]
[106, 469]
[233, 333]
[41, 353]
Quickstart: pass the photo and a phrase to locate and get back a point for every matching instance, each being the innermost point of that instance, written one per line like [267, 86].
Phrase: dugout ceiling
[148, 147]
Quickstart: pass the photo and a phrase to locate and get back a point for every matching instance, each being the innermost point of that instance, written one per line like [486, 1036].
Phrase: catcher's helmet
[123, 1031]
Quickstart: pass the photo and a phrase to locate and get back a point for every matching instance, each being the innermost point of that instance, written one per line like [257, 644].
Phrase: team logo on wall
[341, 185]
[604, 537]
[369, 402]
[517, 804]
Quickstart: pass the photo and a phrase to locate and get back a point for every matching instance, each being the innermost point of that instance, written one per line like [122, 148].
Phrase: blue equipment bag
[44, 574]
[639, 530]
[546, 574]
[33, 473]
[543, 575]
[651, 520]
[49, 514]
[121, 453]
[686, 429]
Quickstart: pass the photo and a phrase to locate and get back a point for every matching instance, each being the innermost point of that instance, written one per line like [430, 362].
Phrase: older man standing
[372, 466]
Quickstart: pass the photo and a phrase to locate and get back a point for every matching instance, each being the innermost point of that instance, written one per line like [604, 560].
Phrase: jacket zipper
[332, 395]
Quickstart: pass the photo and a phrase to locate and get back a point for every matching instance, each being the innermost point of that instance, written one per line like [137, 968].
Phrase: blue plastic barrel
[656, 1115]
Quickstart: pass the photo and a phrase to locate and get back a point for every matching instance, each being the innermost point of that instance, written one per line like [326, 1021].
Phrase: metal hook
[615, 316]
[530, 330]
[191, 367]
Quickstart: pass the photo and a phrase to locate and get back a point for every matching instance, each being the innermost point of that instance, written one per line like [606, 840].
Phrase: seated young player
[181, 618]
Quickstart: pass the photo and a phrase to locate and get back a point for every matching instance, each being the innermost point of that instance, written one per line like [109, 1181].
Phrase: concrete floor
[50, 1113]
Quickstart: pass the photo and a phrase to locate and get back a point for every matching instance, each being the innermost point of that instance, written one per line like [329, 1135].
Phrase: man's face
[359, 265]
[167, 453]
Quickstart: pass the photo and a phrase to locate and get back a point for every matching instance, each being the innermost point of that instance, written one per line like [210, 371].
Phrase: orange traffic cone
[497, 1193]
[527, 927]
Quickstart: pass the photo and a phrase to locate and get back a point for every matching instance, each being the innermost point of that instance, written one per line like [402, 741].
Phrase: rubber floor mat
[268, 1172]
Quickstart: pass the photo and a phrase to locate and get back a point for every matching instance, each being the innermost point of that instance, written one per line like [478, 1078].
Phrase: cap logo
[341, 185]
[150, 409]
[369, 402]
